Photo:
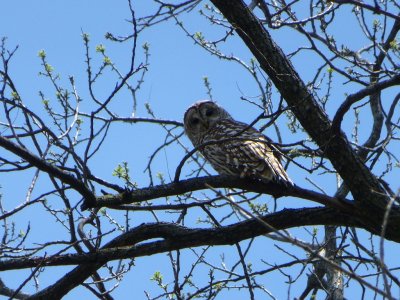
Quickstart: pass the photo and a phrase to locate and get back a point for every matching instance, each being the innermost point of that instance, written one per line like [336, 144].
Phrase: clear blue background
[174, 81]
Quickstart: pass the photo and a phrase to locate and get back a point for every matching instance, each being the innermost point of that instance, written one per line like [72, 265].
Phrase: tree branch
[353, 98]
[50, 169]
[173, 237]
[275, 189]
[375, 9]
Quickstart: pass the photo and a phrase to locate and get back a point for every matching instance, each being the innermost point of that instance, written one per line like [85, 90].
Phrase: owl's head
[202, 116]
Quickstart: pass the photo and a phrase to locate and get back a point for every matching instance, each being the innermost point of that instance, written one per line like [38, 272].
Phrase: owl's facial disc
[210, 114]
[202, 116]
[194, 124]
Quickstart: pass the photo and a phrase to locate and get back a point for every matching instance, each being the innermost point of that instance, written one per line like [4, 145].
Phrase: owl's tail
[282, 177]
[275, 172]
[278, 172]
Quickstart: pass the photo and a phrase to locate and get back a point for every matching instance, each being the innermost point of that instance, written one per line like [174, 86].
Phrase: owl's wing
[244, 151]
[267, 159]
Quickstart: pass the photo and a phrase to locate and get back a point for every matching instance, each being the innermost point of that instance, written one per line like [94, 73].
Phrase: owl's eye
[194, 121]
[209, 112]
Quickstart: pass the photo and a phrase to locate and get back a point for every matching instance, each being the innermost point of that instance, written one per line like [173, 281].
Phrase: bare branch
[42, 165]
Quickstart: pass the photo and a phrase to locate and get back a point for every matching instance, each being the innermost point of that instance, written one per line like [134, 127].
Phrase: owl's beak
[204, 121]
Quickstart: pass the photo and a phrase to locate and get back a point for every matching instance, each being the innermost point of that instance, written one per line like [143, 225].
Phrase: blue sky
[173, 82]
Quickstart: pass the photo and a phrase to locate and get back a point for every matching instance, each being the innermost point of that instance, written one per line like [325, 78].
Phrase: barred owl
[232, 147]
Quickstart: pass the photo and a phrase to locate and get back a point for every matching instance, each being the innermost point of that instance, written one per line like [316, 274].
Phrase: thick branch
[172, 237]
[176, 188]
[179, 237]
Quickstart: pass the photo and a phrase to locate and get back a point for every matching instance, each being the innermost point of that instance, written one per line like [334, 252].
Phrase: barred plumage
[232, 147]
